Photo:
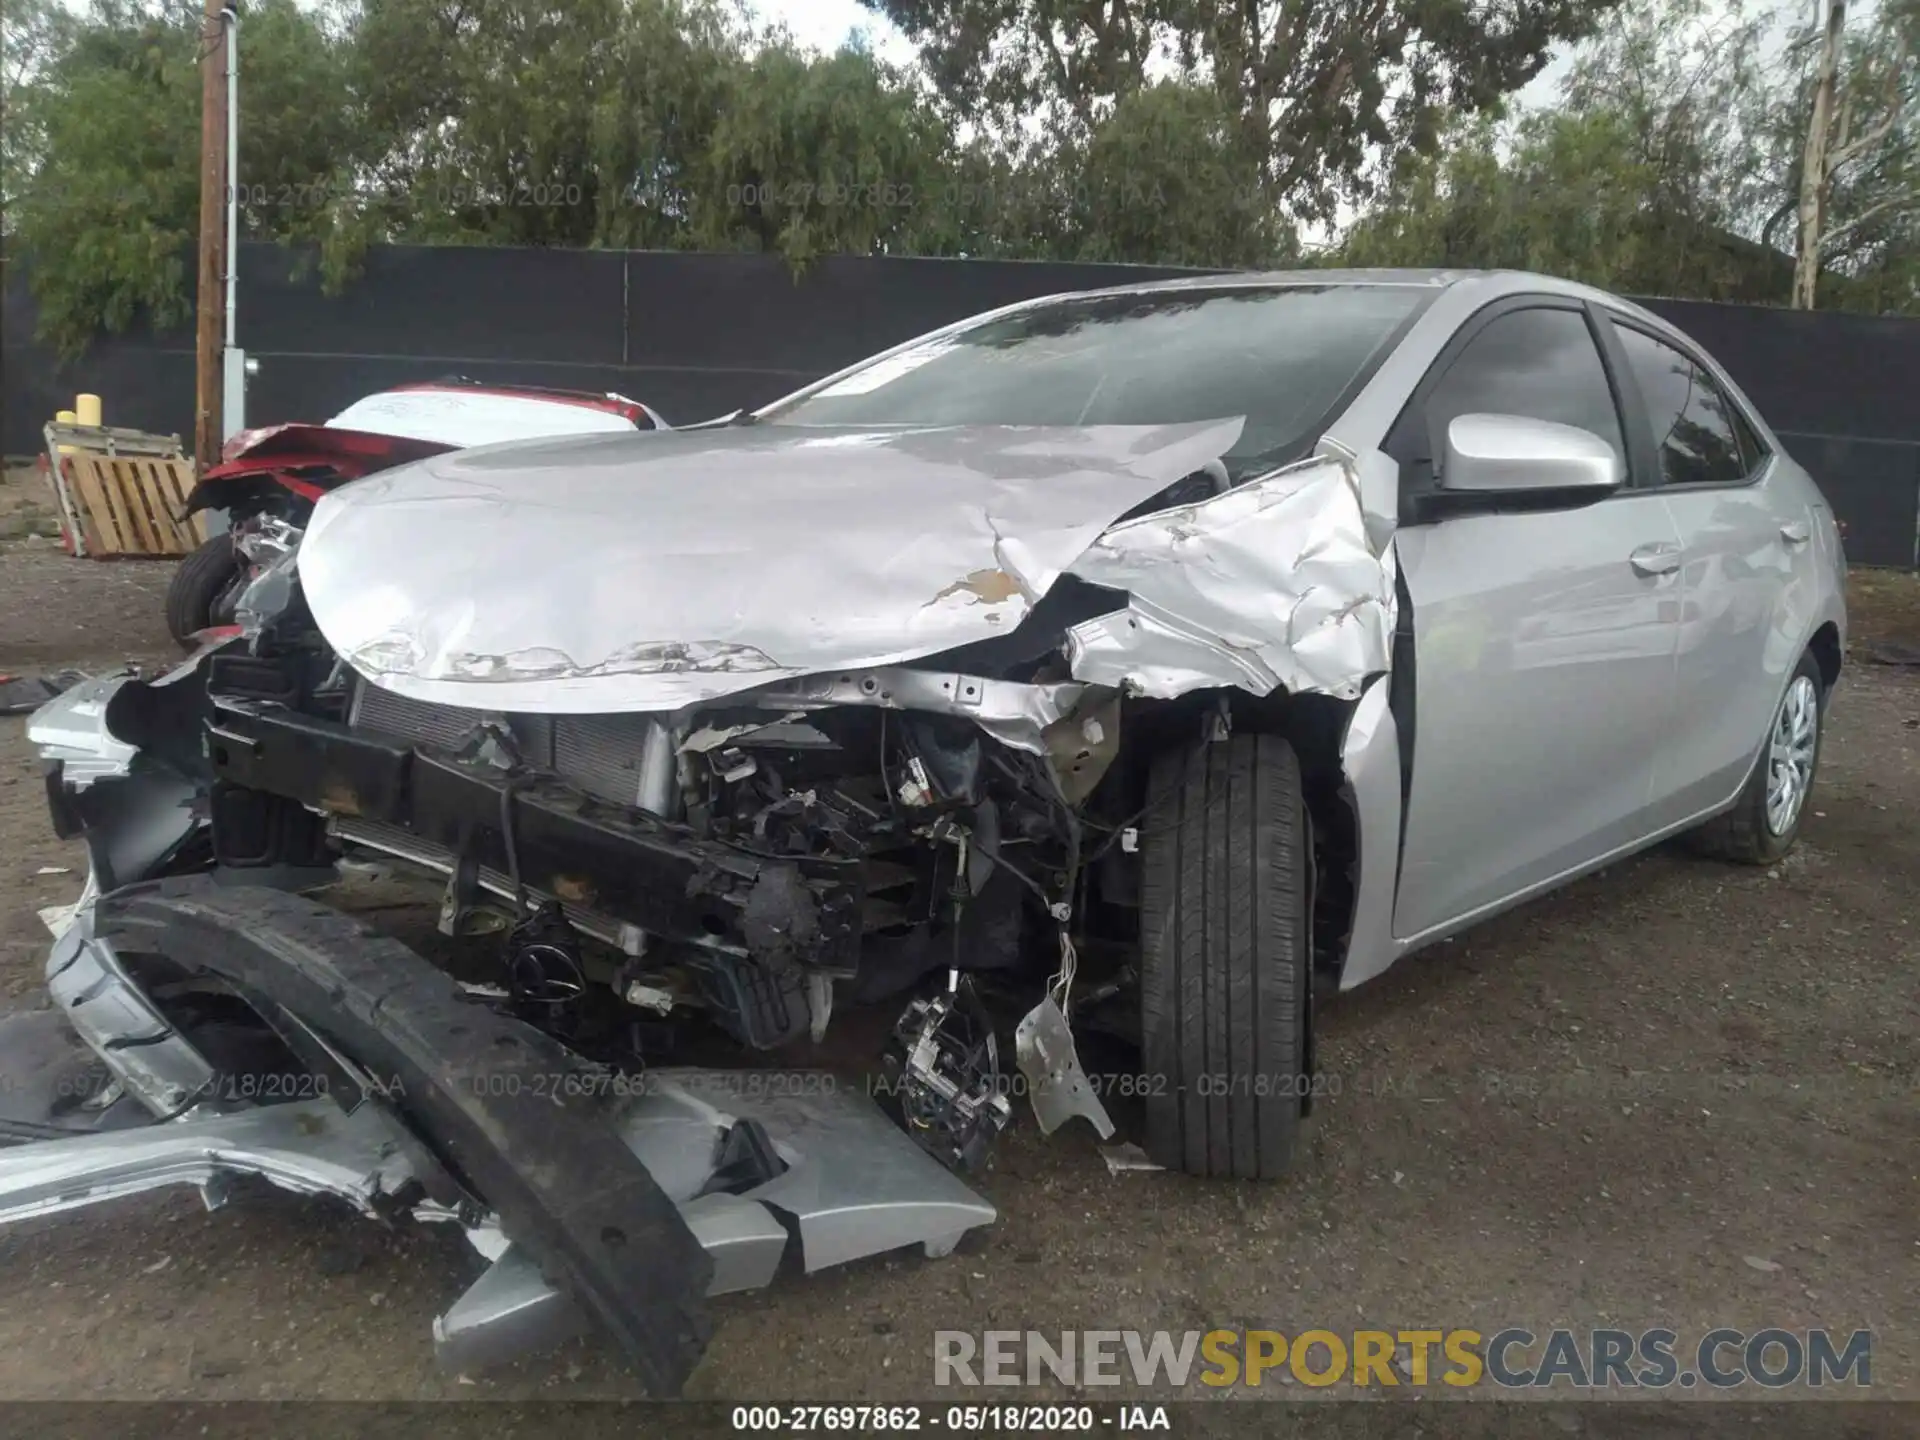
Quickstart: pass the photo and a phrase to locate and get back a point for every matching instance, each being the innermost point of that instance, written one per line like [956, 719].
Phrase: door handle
[1659, 558]
[1795, 532]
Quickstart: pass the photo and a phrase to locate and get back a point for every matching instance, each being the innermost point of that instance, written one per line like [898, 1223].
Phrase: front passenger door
[1543, 640]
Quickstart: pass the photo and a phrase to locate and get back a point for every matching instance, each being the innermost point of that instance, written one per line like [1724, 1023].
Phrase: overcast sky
[826, 24]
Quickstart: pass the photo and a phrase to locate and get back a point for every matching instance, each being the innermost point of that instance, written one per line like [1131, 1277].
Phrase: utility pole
[207, 427]
[1813, 166]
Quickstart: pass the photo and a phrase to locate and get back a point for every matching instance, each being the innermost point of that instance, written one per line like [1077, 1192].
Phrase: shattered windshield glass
[1281, 356]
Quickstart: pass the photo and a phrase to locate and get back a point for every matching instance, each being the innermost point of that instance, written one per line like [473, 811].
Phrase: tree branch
[1892, 202]
[1844, 150]
[1841, 154]
[1787, 207]
[1076, 98]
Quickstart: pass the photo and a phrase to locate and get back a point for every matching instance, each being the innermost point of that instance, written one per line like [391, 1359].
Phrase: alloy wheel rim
[1796, 733]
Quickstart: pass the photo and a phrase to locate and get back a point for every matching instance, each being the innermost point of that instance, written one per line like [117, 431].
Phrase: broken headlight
[947, 1077]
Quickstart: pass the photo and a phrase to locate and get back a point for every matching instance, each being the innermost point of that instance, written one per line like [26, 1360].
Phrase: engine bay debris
[626, 1198]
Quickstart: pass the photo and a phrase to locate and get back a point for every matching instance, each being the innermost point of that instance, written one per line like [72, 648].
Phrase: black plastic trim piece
[510, 1111]
[66, 817]
[616, 859]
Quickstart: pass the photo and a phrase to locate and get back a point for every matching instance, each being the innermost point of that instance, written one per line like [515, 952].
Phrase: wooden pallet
[123, 492]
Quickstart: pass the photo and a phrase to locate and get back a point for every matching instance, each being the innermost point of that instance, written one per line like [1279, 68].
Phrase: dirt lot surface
[27, 505]
[1675, 1094]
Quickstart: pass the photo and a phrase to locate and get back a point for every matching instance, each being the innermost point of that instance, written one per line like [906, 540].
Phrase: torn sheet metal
[855, 1183]
[1082, 747]
[605, 573]
[1376, 480]
[854, 1186]
[1013, 713]
[1276, 584]
[71, 729]
[511, 1311]
[1370, 760]
[1044, 1049]
[312, 1147]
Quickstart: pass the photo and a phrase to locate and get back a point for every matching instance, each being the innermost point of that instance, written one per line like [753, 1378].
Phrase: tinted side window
[1542, 364]
[1697, 431]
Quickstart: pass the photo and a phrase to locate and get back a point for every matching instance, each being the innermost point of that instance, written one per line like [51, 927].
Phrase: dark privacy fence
[697, 335]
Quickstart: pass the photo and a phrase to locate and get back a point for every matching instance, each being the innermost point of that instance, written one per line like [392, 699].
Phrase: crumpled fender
[1286, 582]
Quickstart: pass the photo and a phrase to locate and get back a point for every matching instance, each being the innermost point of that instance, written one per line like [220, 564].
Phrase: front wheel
[1765, 821]
[201, 587]
[1225, 957]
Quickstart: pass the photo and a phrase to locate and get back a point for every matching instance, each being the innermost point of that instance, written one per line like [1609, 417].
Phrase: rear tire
[1747, 834]
[1226, 958]
[203, 577]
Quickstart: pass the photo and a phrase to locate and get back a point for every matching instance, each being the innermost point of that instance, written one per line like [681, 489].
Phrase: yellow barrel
[67, 417]
[87, 409]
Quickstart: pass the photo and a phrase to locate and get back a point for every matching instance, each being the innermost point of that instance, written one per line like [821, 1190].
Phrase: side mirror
[1512, 455]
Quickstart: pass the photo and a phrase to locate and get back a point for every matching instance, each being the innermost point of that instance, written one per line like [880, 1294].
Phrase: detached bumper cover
[478, 1088]
[855, 1186]
[596, 1197]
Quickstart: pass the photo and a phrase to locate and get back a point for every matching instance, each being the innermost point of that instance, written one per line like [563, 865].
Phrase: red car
[268, 480]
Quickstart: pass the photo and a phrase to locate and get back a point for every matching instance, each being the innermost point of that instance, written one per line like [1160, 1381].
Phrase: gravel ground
[1674, 1094]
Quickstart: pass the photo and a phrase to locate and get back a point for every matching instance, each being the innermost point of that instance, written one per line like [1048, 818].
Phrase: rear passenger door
[1542, 664]
[1742, 553]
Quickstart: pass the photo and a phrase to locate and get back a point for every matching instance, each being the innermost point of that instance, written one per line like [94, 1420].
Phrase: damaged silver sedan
[1145, 660]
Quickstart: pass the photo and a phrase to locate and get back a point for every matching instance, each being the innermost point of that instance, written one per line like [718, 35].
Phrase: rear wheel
[1226, 960]
[199, 587]
[1765, 821]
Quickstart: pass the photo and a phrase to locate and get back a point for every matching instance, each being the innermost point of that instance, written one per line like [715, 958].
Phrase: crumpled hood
[647, 572]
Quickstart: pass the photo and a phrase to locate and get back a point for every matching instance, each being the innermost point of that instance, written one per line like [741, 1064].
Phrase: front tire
[1765, 821]
[197, 587]
[1226, 958]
